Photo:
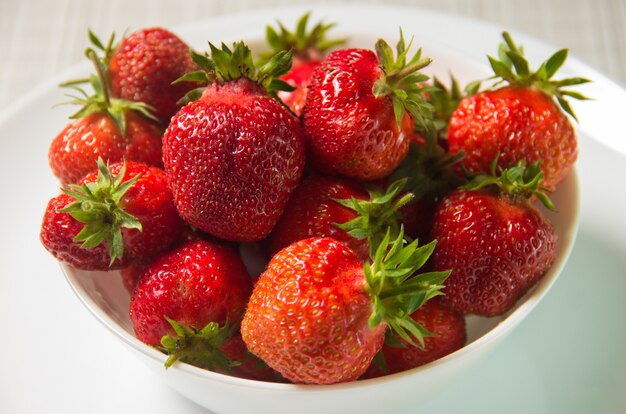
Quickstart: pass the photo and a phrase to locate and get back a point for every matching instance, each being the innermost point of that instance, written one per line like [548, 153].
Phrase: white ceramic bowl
[107, 299]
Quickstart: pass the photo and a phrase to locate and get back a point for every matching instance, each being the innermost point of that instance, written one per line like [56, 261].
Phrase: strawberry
[143, 67]
[308, 49]
[449, 335]
[106, 127]
[319, 315]
[338, 208]
[115, 217]
[234, 156]
[190, 300]
[519, 121]
[496, 243]
[360, 110]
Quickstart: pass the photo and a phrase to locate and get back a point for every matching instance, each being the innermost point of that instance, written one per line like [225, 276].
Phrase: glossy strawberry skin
[497, 250]
[298, 77]
[149, 200]
[144, 66]
[233, 158]
[518, 124]
[312, 212]
[194, 284]
[448, 326]
[308, 314]
[348, 130]
[73, 153]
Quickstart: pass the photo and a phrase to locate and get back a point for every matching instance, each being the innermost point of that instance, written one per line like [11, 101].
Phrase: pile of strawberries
[382, 206]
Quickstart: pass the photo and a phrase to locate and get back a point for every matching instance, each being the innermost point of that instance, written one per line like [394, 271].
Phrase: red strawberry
[357, 119]
[308, 49]
[318, 315]
[448, 328]
[191, 300]
[298, 78]
[520, 121]
[497, 245]
[112, 129]
[338, 208]
[234, 156]
[143, 67]
[118, 216]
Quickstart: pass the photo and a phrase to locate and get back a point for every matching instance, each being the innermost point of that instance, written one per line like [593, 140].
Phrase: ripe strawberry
[234, 156]
[308, 49]
[520, 121]
[448, 328]
[497, 245]
[105, 127]
[190, 300]
[360, 110]
[338, 208]
[143, 67]
[318, 315]
[118, 216]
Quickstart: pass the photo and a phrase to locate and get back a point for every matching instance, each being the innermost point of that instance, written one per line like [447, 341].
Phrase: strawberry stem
[93, 56]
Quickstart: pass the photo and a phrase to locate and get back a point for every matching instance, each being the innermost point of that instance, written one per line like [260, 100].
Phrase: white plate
[566, 357]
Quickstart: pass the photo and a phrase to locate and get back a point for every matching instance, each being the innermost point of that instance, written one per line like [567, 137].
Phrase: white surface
[566, 357]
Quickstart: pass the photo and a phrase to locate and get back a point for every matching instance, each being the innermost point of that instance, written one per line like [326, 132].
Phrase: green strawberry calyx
[513, 68]
[445, 101]
[429, 170]
[518, 182]
[101, 100]
[306, 45]
[201, 348]
[403, 82]
[99, 206]
[376, 215]
[225, 64]
[397, 289]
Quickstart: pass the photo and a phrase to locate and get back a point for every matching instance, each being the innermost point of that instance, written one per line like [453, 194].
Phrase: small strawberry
[497, 245]
[360, 110]
[308, 50]
[520, 121]
[106, 127]
[234, 156]
[118, 216]
[449, 335]
[190, 300]
[143, 67]
[319, 315]
[339, 208]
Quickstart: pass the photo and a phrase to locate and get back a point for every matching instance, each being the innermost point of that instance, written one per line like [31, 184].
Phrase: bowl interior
[104, 294]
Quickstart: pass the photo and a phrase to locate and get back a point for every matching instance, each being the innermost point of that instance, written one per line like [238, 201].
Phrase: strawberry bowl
[105, 296]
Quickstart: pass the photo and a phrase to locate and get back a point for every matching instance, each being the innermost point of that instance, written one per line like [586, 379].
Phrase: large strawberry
[342, 209]
[144, 66]
[318, 315]
[520, 121]
[234, 156]
[190, 300]
[308, 49]
[360, 110]
[112, 218]
[496, 243]
[449, 335]
[107, 127]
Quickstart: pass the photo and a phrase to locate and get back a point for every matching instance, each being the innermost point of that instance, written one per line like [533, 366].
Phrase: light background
[39, 38]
